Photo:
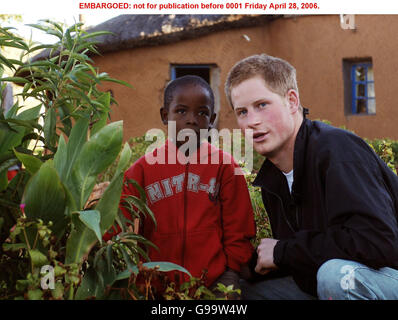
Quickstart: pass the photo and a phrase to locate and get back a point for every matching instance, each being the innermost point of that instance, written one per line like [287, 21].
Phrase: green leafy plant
[63, 144]
[65, 86]
[387, 150]
[227, 291]
[263, 227]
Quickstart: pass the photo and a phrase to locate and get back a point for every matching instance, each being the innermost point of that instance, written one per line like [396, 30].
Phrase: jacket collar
[272, 179]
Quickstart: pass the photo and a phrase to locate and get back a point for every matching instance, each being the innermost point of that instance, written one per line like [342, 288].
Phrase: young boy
[203, 211]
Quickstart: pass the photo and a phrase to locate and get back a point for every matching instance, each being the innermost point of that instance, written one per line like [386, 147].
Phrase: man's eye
[241, 113]
[180, 111]
[262, 105]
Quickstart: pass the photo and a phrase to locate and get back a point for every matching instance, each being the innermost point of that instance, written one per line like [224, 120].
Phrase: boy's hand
[265, 252]
[97, 193]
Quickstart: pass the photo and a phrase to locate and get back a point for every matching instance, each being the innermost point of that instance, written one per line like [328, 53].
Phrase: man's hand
[265, 252]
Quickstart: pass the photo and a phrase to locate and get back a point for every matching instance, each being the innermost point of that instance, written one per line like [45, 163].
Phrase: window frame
[354, 83]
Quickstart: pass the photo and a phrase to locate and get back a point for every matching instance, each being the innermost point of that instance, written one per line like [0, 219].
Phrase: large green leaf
[77, 139]
[12, 112]
[166, 266]
[97, 154]
[162, 266]
[31, 163]
[109, 202]
[60, 157]
[6, 61]
[90, 286]
[65, 157]
[104, 100]
[102, 119]
[50, 121]
[80, 242]
[38, 258]
[64, 116]
[70, 203]
[13, 130]
[105, 77]
[91, 218]
[95, 281]
[10, 137]
[29, 114]
[45, 198]
[125, 158]
[27, 124]
[96, 34]
[14, 79]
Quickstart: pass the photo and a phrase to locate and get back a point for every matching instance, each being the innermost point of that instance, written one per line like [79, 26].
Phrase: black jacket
[343, 204]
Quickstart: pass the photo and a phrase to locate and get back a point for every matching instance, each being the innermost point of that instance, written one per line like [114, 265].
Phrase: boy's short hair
[183, 81]
[279, 75]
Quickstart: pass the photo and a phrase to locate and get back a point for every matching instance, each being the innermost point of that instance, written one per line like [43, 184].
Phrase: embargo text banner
[199, 7]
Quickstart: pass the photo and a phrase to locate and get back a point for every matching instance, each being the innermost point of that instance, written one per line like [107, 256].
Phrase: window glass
[371, 106]
[360, 73]
[362, 88]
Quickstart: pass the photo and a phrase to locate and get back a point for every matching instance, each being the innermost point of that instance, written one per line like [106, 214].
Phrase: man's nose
[253, 119]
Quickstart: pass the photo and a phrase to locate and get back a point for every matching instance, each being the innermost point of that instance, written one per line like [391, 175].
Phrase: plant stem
[35, 242]
[29, 248]
[71, 292]
[26, 238]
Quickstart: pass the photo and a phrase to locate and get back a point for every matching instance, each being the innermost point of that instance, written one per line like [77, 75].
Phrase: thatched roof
[132, 31]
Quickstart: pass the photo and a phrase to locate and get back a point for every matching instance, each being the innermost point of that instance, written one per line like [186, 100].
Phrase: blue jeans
[337, 279]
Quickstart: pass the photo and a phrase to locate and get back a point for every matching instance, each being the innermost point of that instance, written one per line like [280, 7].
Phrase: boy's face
[268, 114]
[190, 108]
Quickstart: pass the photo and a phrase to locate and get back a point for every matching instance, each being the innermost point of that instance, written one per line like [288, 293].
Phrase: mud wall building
[148, 51]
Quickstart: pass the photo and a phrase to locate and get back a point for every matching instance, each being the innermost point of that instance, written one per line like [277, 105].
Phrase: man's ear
[164, 115]
[293, 100]
[212, 119]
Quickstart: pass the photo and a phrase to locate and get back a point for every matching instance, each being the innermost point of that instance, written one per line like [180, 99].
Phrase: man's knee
[335, 278]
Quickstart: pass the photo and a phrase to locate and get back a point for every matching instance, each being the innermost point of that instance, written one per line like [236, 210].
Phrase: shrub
[64, 143]
[48, 229]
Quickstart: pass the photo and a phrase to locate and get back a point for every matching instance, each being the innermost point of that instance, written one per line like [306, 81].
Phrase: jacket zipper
[184, 230]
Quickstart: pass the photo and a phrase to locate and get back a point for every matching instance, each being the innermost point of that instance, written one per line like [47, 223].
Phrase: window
[197, 70]
[209, 72]
[360, 88]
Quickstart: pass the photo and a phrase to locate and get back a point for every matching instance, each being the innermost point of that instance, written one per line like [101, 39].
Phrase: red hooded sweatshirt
[203, 211]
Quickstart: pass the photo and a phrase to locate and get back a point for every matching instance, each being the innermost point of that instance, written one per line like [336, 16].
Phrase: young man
[332, 202]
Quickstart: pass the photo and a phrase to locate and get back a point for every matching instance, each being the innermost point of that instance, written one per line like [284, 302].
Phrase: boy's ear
[293, 100]
[164, 115]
